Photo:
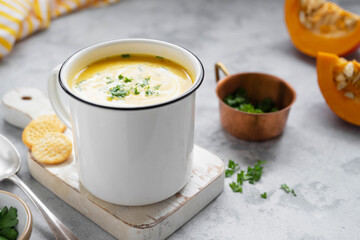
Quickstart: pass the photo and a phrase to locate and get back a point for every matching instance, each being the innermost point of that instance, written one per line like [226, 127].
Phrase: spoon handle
[60, 231]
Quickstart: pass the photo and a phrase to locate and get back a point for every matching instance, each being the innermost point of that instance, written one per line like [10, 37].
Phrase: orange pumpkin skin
[309, 43]
[345, 108]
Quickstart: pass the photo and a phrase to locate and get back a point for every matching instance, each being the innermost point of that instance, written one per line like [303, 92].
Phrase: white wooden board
[155, 221]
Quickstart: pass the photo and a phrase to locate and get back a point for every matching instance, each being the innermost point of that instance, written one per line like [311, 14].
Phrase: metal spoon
[9, 166]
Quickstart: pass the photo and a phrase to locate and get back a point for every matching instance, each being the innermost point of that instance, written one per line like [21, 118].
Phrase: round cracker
[52, 118]
[38, 129]
[53, 148]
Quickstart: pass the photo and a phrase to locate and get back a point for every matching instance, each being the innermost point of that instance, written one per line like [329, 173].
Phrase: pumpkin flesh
[339, 82]
[319, 25]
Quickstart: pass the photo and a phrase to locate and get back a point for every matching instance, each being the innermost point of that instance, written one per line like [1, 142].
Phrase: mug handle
[53, 90]
[220, 66]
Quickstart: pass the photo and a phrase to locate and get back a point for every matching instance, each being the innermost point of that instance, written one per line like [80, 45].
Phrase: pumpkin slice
[339, 82]
[319, 25]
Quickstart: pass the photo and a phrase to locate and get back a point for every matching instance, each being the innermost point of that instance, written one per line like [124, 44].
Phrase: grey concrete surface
[318, 154]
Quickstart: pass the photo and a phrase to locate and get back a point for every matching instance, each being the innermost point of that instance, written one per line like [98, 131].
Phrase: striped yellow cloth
[20, 18]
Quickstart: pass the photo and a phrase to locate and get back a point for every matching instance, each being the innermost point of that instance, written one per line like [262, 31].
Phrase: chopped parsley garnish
[129, 86]
[240, 101]
[8, 221]
[145, 82]
[119, 91]
[236, 187]
[136, 91]
[125, 55]
[287, 189]
[127, 80]
[232, 168]
[240, 177]
[264, 195]
[159, 57]
[252, 175]
[148, 92]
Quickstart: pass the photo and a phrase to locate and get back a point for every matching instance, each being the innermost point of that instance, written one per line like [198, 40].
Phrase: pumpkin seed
[341, 85]
[349, 70]
[340, 78]
[326, 18]
[349, 95]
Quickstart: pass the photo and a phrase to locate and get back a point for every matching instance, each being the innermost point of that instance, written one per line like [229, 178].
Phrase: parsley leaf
[145, 82]
[254, 174]
[264, 195]
[136, 91]
[8, 217]
[235, 187]
[287, 189]
[8, 220]
[240, 177]
[232, 168]
[119, 91]
[121, 77]
[240, 101]
[127, 80]
[8, 234]
[125, 55]
[148, 92]
[229, 172]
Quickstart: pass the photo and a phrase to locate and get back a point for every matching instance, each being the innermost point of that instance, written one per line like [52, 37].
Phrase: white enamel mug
[130, 155]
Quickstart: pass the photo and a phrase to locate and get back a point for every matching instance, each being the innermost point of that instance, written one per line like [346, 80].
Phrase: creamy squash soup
[131, 80]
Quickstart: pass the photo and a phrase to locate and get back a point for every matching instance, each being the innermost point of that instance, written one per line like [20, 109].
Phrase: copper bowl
[254, 126]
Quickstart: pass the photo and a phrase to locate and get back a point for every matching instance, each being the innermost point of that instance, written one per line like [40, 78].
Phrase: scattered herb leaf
[121, 77]
[159, 57]
[254, 174]
[240, 177]
[264, 195]
[235, 187]
[125, 55]
[232, 168]
[287, 189]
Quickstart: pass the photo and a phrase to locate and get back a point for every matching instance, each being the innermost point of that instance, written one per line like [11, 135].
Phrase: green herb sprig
[252, 175]
[232, 168]
[236, 187]
[287, 189]
[240, 101]
[8, 221]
